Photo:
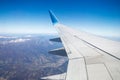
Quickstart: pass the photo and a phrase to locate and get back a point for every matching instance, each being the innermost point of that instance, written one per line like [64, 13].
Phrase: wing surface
[90, 57]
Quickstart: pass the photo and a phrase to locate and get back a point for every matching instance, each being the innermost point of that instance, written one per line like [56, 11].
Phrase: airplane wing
[55, 77]
[90, 57]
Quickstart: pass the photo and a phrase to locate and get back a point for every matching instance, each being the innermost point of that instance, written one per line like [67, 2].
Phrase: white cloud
[28, 36]
[18, 40]
[7, 37]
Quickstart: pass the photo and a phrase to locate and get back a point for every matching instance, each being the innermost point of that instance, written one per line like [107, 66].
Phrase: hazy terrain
[26, 57]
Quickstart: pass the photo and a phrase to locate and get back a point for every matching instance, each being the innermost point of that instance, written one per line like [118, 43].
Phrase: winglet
[53, 17]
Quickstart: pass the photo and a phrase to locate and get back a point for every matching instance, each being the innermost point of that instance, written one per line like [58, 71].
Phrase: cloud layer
[18, 40]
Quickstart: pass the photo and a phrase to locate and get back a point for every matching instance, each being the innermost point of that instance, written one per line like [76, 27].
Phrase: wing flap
[55, 77]
[76, 70]
[94, 69]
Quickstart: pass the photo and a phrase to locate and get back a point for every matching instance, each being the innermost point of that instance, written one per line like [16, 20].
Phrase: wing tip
[53, 17]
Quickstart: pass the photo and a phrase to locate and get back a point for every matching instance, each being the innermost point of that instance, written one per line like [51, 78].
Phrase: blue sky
[100, 17]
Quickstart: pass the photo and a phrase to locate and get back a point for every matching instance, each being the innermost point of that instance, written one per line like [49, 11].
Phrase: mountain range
[26, 57]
